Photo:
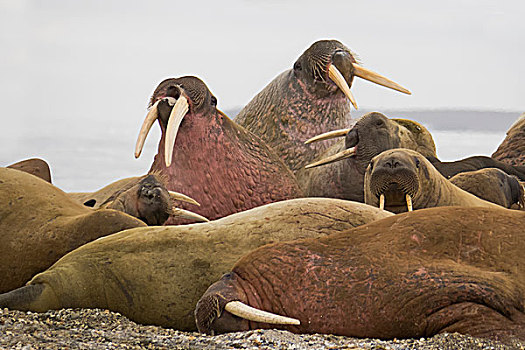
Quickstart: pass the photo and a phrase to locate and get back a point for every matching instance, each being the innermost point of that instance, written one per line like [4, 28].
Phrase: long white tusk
[409, 202]
[339, 80]
[182, 197]
[145, 128]
[347, 153]
[177, 114]
[242, 310]
[374, 77]
[186, 214]
[382, 201]
[328, 135]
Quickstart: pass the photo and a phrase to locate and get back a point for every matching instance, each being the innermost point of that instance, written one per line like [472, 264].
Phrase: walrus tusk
[339, 80]
[145, 128]
[409, 202]
[177, 114]
[382, 202]
[186, 214]
[328, 135]
[374, 77]
[182, 197]
[242, 310]
[347, 153]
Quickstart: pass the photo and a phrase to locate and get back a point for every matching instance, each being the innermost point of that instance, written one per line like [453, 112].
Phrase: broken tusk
[177, 114]
[382, 202]
[328, 135]
[339, 80]
[347, 153]
[182, 197]
[409, 202]
[242, 310]
[374, 77]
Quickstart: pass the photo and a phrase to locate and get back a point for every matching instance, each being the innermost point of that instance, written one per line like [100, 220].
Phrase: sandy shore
[102, 329]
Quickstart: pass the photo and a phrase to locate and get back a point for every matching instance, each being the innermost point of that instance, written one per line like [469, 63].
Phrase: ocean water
[86, 156]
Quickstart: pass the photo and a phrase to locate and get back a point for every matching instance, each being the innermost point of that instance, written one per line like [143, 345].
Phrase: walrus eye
[214, 101]
[379, 122]
[371, 166]
[417, 163]
[297, 66]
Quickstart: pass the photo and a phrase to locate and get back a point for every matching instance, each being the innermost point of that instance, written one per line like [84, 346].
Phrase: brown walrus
[156, 275]
[493, 185]
[312, 98]
[144, 197]
[400, 180]
[345, 163]
[512, 149]
[34, 166]
[412, 275]
[204, 154]
[40, 223]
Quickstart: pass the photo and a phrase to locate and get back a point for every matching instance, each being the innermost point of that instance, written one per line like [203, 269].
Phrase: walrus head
[173, 101]
[328, 65]
[393, 179]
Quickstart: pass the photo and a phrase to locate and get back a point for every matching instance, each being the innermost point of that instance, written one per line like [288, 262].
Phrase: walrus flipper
[25, 298]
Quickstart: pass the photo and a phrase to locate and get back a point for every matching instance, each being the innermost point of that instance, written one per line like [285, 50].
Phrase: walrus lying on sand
[34, 166]
[40, 223]
[156, 275]
[400, 180]
[493, 185]
[512, 149]
[144, 197]
[411, 275]
[311, 98]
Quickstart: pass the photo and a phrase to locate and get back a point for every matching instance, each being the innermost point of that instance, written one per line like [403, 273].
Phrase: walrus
[40, 223]
[144, 197]
[345, 163]
[400, 180]
[412, 275]
[156, 275]
[493, 185]
[512, 149]
[205, 155]
[311, 98]
[34, 166]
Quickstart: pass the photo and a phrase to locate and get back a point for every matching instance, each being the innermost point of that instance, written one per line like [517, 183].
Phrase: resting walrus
[512, 149]
[156, 275]
[411, 275]
[401, 179]
[312, 98]
[493, 185]
[40, 223]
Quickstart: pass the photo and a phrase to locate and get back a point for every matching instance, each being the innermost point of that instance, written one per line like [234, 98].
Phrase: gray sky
[71, 67]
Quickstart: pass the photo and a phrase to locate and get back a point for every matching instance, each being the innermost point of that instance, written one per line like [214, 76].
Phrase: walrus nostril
[173, 91]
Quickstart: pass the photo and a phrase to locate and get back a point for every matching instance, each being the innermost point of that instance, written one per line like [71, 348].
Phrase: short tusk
[409, 202]
[328, 135]
[339, 80]
[186, 214]
[347, 153]
[182, 197]
[382, 202]
[242, 310]
[177, 114]
[145, 128]
[374, 77]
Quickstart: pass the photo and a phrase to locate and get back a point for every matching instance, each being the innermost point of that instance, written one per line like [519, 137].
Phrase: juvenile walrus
[401, 179]
[512, 149]
[34, 166]
[156, 275]
[40, 223]
[493, 185]
[144, 197]
[205, 155]
[412, 275]
[311, 98]
[344, 164]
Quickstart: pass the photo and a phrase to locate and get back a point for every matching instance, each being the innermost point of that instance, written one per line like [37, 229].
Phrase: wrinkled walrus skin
[399, 172]
[34, 166]
[39, 224]
[512, 149]
[411, 275]
[156, 275]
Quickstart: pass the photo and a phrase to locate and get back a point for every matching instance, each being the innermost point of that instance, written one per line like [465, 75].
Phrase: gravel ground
[102, 329]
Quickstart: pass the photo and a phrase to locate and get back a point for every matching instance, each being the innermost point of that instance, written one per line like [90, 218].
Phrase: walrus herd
[398, 244]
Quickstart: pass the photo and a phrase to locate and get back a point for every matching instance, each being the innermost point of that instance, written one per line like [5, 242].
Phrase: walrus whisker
[409, 202]
[247, 312]
[177, 114]
[339, 80]
[186, 214]
[376, 78]
[382, 202]
[182, 197]
[145, 128]
[328, 135]
[333, 158]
